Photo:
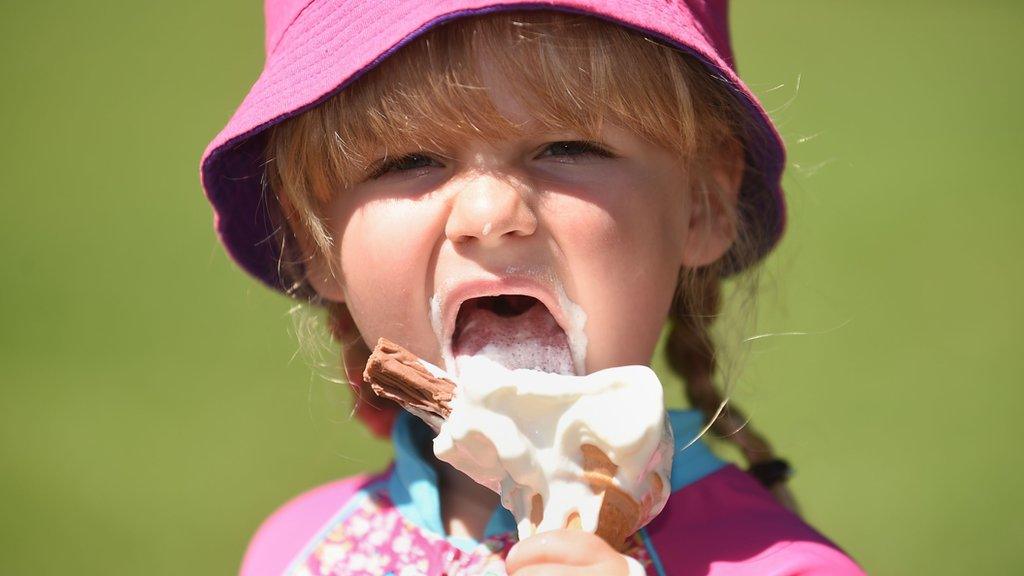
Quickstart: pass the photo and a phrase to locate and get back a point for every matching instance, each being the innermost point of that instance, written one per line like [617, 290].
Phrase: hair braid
[691, 353]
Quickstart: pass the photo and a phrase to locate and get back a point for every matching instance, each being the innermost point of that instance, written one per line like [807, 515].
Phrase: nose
[489, 208]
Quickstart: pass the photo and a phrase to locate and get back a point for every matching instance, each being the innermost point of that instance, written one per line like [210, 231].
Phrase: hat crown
[713, 19]
[277, 15]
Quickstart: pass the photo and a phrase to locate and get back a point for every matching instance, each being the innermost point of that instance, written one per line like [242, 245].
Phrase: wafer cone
[620, 515]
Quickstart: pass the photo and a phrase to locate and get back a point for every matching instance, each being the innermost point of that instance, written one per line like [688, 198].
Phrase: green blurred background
[154, 409]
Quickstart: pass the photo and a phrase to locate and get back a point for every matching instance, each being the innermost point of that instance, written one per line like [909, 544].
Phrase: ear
[325, 279]
[317, 269]
[713, 209]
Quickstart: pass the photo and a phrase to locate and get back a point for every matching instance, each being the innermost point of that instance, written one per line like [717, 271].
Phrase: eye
[568, 149]
[406, 163]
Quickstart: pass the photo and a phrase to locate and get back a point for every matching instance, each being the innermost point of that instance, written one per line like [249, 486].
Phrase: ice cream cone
[620, 515]
[588, 490]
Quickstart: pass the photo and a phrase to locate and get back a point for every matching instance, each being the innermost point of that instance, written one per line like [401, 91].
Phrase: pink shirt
[718, 521]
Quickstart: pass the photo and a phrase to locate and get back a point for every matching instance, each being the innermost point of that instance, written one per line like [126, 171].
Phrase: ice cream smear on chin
[561, 449]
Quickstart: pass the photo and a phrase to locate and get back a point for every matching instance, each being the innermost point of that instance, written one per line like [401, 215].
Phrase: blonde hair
[573, 73]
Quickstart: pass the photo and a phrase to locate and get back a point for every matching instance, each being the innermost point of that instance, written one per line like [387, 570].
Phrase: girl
[393, 164]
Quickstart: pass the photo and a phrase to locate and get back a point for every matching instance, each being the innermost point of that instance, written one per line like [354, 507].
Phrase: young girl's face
[594, 230]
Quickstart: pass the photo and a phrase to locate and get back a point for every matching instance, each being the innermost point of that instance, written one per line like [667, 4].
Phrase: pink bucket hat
[315, 48]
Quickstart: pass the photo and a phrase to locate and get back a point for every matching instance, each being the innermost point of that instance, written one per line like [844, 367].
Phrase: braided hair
[690, 352]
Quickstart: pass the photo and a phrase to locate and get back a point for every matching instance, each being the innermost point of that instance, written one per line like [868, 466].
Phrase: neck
[466, 506]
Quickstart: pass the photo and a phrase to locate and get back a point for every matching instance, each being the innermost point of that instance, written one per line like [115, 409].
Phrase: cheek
[377, 237]
[624, 256]
[622, 220]
[385, 249]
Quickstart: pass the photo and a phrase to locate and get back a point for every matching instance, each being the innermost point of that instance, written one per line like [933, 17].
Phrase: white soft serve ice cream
[520, 415]
[520, 432]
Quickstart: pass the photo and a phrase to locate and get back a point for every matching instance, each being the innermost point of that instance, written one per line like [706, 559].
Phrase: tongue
[531, 340]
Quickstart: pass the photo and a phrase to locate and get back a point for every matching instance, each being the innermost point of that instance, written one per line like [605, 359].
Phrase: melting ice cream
[522, 432]
[561, 449]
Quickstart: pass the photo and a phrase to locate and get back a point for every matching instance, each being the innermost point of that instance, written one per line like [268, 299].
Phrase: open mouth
[513, 330]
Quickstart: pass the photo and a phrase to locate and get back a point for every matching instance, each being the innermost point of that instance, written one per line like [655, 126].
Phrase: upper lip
[452, 299]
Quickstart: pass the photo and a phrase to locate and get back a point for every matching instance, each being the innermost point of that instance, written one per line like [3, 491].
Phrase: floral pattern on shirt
[376, 540]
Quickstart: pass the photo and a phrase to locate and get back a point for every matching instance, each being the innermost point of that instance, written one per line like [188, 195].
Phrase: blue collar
[413, 483]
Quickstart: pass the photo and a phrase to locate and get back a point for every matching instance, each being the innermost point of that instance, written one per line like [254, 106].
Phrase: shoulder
[727, 524]
[284, 534]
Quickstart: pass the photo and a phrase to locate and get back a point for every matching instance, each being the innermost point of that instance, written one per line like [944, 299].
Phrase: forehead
[498, 90]
[485, 77]
[505, 75]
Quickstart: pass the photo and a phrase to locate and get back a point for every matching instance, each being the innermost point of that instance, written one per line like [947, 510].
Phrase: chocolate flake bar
[397, 374]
